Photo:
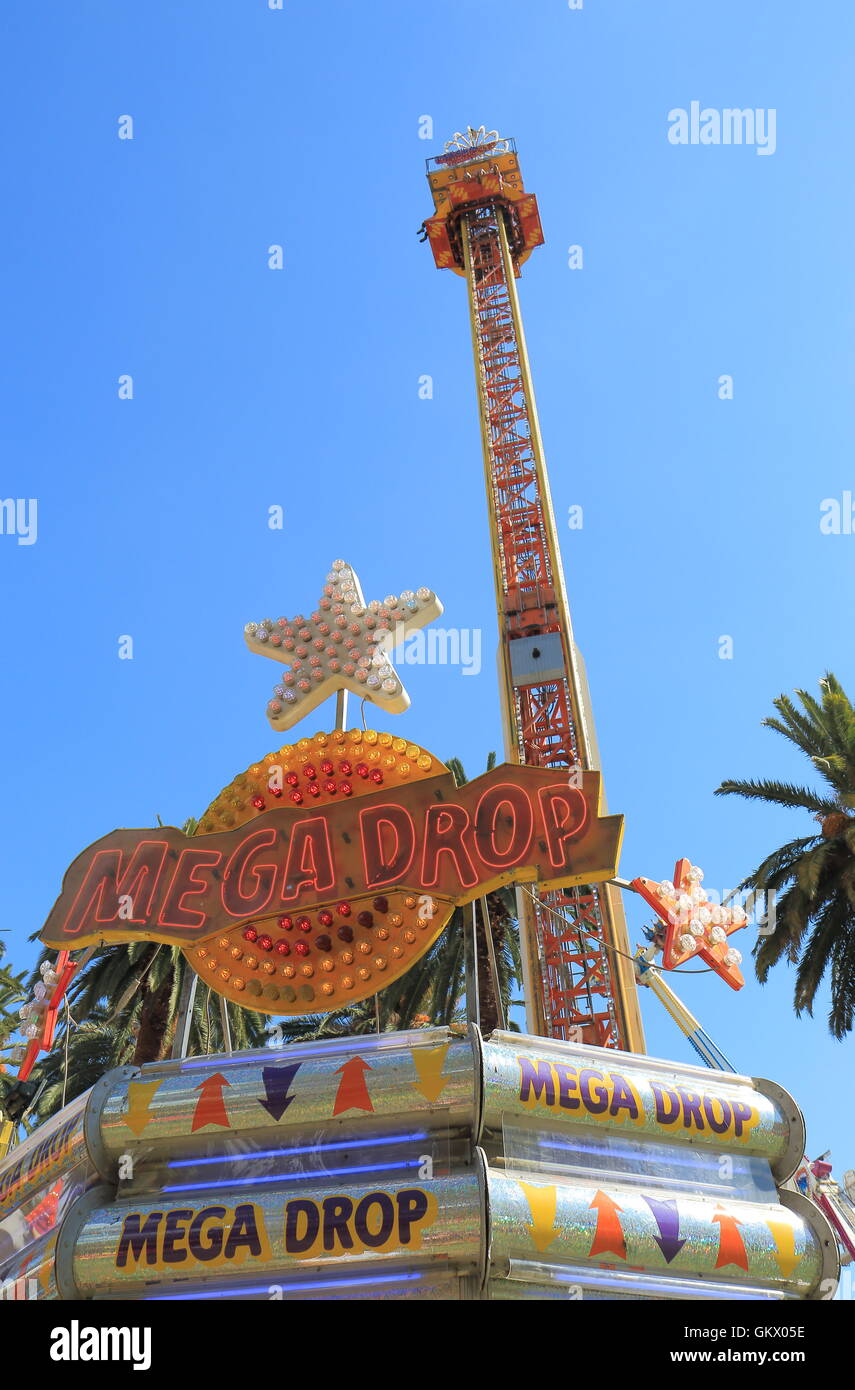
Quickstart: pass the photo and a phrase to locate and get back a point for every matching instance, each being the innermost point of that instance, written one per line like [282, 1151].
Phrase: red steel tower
[579, 982]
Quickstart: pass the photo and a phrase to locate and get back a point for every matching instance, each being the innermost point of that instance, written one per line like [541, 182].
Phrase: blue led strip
[638, 1151]
[292, 1052]
[303, 1149]
[372, 1280]
[295, 1177]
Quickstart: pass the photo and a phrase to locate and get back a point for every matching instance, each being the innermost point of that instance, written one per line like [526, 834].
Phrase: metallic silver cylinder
[421, 1081]
[684, 1237]
[224, 1236]
[534, 1081]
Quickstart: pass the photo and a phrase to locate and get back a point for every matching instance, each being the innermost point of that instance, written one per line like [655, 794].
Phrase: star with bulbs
[694, 927]
[344, 645]
[42, 1010]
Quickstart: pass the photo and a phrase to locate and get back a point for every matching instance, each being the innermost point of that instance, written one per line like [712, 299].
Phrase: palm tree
[135, 989]
[13, 992]
[122, 1009]
[98, 1031]
[81, 1054]
[817, 871]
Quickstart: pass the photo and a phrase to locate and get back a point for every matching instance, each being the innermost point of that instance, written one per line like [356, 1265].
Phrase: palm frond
[815, 916]
[780, 794]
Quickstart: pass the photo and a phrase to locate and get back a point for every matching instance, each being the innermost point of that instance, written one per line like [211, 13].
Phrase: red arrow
[731, 1247]
[352, 1090]
[609, 1233]
[210, 1107]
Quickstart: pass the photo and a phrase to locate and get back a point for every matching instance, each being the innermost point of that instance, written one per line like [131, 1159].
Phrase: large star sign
[694, 926]
[345, 645]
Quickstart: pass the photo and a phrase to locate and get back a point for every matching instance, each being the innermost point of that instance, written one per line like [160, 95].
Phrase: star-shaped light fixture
[693, 925]
[344, 645]
[39, 1014]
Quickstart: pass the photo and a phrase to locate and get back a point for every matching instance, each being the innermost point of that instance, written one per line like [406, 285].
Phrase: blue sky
[299, 388]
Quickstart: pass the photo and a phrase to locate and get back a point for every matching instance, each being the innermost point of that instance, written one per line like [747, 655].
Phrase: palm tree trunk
[154, 1023]
[490, 1010]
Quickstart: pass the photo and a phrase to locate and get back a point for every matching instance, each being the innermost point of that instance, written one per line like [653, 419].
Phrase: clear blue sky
[300, 388]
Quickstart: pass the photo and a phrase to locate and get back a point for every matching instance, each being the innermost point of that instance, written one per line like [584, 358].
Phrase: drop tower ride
[578, 979]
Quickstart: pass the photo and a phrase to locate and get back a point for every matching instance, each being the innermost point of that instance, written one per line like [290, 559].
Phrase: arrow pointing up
[210, 1107]
[731, 1247]
[277, 1083]
[668, 1220]
[352, 1090]
[609, 1233]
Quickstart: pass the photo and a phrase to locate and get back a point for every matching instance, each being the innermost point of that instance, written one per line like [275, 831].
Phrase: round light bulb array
[344, 644]
[33, 1013]
[310, 960]
[700, 919]
[692, 925]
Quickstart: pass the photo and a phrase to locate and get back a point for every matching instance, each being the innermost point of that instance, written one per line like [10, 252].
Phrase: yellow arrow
[140, 1095]
[429, 1064]
[542, 1203]
[784, 1237]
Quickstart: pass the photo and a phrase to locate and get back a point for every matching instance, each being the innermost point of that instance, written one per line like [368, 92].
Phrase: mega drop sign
[310, 1228]
[234, 1235]
[331, 882]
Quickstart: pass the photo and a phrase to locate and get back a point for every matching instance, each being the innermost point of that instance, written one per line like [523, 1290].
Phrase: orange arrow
[542, 1202]
[352, 1090]
[609, 1233]
[138, 1113]
[731, 1247]
[210, 1107]
[429, 1064]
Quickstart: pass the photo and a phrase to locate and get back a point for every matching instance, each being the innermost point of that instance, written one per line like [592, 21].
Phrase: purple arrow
[668, 1221]
[277, 1083]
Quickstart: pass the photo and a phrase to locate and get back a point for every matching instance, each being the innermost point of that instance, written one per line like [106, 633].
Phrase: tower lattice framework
[579, 982]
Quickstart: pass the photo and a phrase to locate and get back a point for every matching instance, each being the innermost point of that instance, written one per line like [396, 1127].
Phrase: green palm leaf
[781, 793]
[815, 915]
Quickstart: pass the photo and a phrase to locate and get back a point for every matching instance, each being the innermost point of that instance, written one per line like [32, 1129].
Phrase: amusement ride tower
[579, 980]
[425, 1162]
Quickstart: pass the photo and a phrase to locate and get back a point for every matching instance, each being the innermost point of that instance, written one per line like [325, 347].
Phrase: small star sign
[344, 645]
[693, 925]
